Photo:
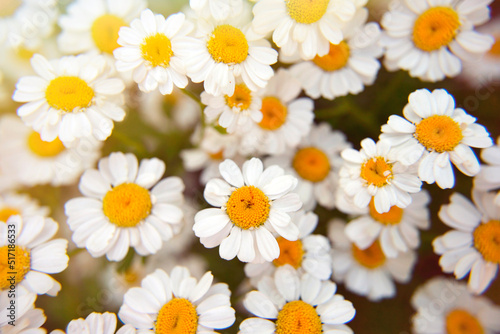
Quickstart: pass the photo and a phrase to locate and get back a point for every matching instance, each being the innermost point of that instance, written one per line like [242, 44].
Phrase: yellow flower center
[131, 276]
[291, 252]
[216, 156]
[20, 265]
[462, 322]
[9, 7]
[228, 45]
[178, 316]
[435, 28]
[311, 164]
[241, 98]
[157, 50]
[487, 240]
[104, 32]
[127, 205]
[495, 48]
[391, 217]
[42, 148]
[298, 317]
[68, 93]
[306, 11]
[273, 113]
[438, 133]
[23, 53]
[377, 171]
[371, 257]
[248, 207]
[5, 213]
[335, 59]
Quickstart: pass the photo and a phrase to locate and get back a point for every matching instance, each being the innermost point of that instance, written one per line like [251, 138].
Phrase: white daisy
[12, 204]
[125, 206]
[488, 178]
[218, 9]
[293, 303]
[435, 133]
[251, 205]
[36, 255]
[72, 97]
[96, 323]
[430, 39]
[178, 302]
[25, 318]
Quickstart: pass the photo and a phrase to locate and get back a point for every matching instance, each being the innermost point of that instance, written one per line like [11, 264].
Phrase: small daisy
[12, 204]
[251, 205]
[151, 47]
[179, 303]
[293, 303]
[125, 206]
[72, 97]
[96, 323]
[367, 272]
[435, 133]
[472, 246]
[27, 318]
[488, 177]
[35, 253]
[218, 9]
[431, 39]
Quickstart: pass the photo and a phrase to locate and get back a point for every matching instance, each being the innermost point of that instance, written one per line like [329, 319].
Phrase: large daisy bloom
[430, 39]
[471, 247]
[444, 306]
[293, 303]
[488, 178]
[435, 133]
[252, 204]
[96, 323]
[125, 205]
[177, 302]
[218, 9]
[12, 204]
[36, 254]
[26, 318]
[151, 48]
[72, 97]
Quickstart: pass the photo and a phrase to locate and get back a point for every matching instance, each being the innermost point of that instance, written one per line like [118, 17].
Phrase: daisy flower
[35, 253]
[12, 204]
[178, 302]
[431, 39]
[367, 272]
[471, 247]
[96, 323]
[72, 97]
[445, 306]
[488, 178]
[151, 47]
[26, 319]
[293, 303]
[435, 133]
[125, 206]
[218, 9]
[251, 205]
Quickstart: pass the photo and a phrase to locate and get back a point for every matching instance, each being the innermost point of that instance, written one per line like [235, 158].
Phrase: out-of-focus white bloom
[26, 318]
[96, 323]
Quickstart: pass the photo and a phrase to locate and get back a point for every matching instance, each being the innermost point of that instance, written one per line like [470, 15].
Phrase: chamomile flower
[12, 204]
[293, 303]
[36, 254]
[179, 302]
[431, 39]
[72, 97]
[96, 323]
[26, 318]
[435, 133]
[125, 205]
[488, 178]
[251, 205]
[218, 9]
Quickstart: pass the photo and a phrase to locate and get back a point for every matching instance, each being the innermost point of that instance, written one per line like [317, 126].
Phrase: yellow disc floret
[306, 11]
[439, 133]
[487, 240]
[157, 50]
[335, 59]
[435, 28]
[391, 217]
[371, 257]
[462, 322]
[228, 45]
[241, 98]
[104, 32]
[291, 252]
[42, 148]
[248, 207]
[311, 164]
[298, 317]
[273, 113]
[68, 93]
[20, 265]
[178, 316]
[6, 212]
[377, 171]
[127, 205]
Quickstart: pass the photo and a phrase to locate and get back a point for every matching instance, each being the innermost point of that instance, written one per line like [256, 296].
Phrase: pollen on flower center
[42, 148]
[298, 317]
[487, 240]
[248, 207]
[460, 322]
[391, 217]
[377, 171]
[127, 204]
[241, 98]
[335, 59]
[306, 11]
[7, 8]
[273, 112]
[104, 32]
[157, 50]
[177, 316]
[311, 164]
[5, 213]
[435, 28]
[438, 133]
[228, 45]
[68, 93]
[22, 264]
[291, 252]
[371, 257]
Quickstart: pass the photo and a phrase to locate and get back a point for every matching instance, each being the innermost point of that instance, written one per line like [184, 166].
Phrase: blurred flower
[488, 178]
[12, 204]
[96, 323]
[218, 9]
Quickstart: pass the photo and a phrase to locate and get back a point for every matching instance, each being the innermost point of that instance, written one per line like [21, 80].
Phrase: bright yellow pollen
[335, 59]
[377, 171]
[435, 28]
[495, 48]
[438, 133]
[462, 322]
[298, 317]
[178, 316]
[248, 207]
[68, 93]
[42, 148]
[291, 252]
[21, 265]
[228, 45]
[274, 113]
[311, 164]
[391, 217]
[127, 205]
[241, 98]
[157, 50]
[5, 213]
[306, 11]
[487, 240]
[7, 8]
[371, 257]
[105, 32]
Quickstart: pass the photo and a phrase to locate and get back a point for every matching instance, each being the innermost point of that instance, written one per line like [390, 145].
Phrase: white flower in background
[488, 178]
[218, 9]
[27, 318]
[12, 204]
[96, 323]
